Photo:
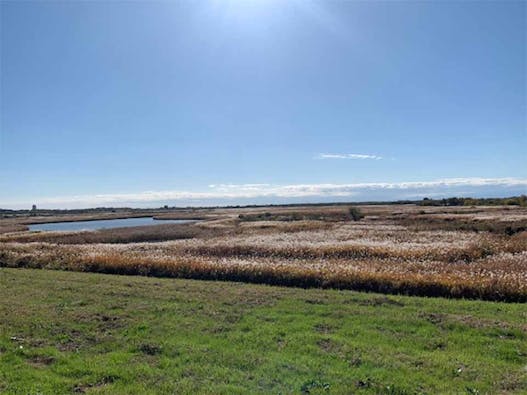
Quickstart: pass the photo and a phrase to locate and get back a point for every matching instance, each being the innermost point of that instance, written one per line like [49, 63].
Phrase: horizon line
[261, 193]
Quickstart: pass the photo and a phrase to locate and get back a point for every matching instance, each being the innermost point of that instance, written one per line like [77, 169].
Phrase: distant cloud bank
[348, 156]
[233, 194]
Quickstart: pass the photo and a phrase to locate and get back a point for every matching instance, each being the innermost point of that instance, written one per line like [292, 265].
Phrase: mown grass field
[67, 332]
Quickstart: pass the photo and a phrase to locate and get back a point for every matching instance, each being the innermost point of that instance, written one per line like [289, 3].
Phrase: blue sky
[212, 102]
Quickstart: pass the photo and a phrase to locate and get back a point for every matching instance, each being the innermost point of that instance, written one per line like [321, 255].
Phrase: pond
[104, 224]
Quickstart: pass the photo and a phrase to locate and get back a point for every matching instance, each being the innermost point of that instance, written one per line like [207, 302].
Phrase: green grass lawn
[64, 332]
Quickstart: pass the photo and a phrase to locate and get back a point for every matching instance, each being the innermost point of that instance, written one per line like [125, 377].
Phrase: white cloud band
[218, 194]
[348, 156]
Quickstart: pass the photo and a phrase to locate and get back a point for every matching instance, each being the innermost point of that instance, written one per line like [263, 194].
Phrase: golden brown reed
[377, 254]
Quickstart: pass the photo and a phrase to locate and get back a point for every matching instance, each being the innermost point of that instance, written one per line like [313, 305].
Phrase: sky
[142, 104]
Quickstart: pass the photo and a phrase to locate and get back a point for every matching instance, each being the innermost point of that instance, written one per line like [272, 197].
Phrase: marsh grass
[334, 215]
[135, 234]
[377, 254]
[463, 224]
[491, 278]
[12, 228]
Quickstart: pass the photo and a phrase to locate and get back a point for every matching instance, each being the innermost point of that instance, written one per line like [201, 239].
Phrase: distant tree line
[452, 201]
[461, 201]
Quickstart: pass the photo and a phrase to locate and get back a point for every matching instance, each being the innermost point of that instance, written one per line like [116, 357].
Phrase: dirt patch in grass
[315, 301]
[150, 349]
[328, 345]
[480, 323]
[381, 301]
[324, 329]
[41, 360]
[84, 388]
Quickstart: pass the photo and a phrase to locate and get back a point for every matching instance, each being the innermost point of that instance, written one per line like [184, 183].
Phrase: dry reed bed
[358, 242]
[497, 278]
[472, 271]
[376, 254]
[116, 235]
[161, 232]
[7, 227]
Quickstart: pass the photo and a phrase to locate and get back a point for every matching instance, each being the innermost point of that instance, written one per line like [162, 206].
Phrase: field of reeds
[462, 252]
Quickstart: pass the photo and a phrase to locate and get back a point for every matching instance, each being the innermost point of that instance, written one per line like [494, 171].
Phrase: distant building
[34, 207]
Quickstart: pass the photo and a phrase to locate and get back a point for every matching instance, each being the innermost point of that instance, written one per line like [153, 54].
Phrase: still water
[105, 224]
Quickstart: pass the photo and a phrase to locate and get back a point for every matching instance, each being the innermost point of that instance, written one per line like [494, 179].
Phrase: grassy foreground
[64, 332]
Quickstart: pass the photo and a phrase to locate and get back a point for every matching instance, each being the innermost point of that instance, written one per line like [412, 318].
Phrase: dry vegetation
[435, 251]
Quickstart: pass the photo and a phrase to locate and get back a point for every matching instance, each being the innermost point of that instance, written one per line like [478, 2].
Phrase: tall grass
[500, 277]
[136, 234]
[376, 254]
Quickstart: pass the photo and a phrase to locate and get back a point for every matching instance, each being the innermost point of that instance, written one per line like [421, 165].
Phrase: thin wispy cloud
[217, 194]
[348, 156]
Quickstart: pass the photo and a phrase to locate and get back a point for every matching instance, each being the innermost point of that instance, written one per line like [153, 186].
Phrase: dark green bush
[355, 214]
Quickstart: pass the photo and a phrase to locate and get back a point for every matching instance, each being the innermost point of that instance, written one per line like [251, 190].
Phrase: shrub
[355, 214]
